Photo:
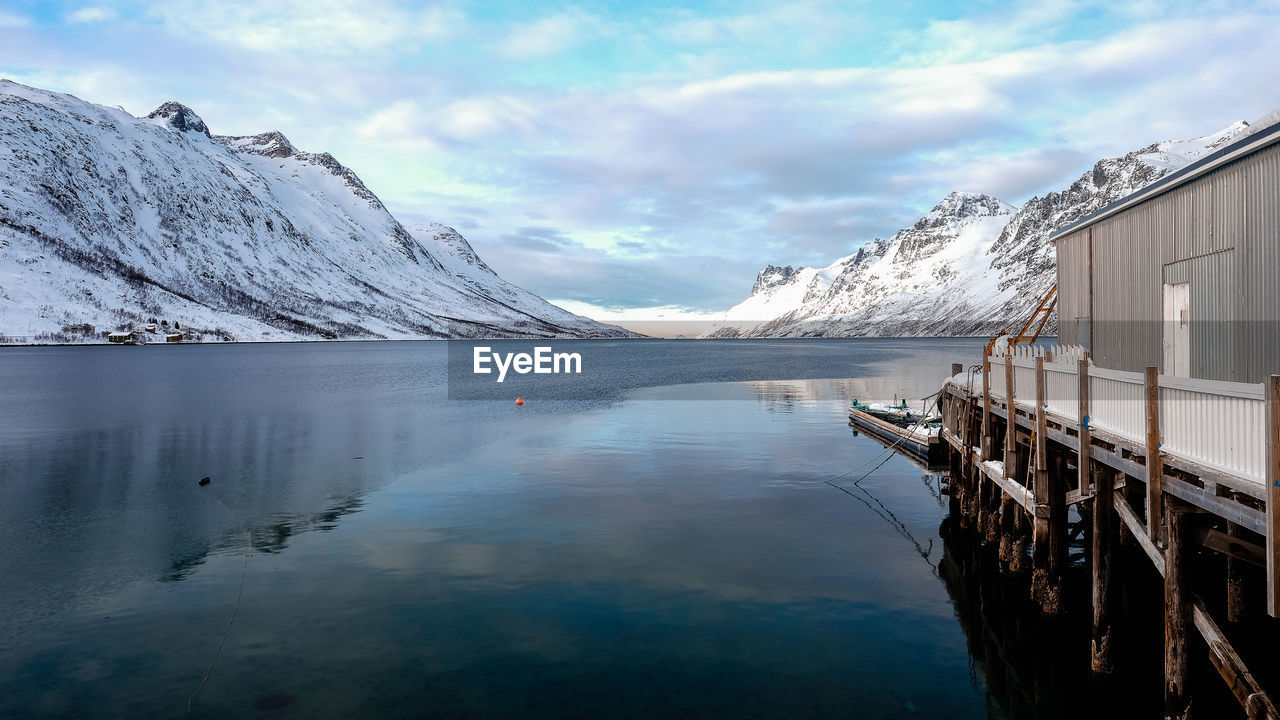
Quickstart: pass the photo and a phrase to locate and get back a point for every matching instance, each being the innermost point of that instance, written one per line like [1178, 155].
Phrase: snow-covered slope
[111, 220]
[972, 266]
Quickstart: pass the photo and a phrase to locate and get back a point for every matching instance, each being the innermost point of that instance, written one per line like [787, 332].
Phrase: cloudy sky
[634, 155]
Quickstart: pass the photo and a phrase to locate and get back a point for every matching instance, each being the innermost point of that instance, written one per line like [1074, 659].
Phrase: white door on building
[1177, 329]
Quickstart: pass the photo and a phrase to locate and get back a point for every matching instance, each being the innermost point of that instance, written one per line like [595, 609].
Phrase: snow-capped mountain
[112, 221]
[972, 266]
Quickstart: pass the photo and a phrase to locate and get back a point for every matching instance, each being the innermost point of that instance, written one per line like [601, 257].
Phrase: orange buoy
[519, 401]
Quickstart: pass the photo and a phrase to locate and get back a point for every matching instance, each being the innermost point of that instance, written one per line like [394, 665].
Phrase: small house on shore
[1184, 274]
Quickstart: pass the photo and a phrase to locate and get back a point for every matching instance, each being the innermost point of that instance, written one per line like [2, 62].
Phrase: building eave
[1245, 146]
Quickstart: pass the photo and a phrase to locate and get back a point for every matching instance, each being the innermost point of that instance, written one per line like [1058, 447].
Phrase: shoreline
[497, 339]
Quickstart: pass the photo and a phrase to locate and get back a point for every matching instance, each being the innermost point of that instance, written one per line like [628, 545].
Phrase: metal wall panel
[1073, 287]
[1127, 300]
[1183, 234]
[1215, 330]
[1259, 265]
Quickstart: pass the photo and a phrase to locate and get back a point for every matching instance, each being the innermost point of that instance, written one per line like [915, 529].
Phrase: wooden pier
[1180, 469]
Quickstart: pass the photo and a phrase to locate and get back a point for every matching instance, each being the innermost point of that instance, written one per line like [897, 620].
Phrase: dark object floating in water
[204, 481]
[361, 457]
[274, 701]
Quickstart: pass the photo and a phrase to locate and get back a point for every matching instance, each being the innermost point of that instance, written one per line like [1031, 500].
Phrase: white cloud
[92, 14]
[721, 146]
[324, 27]
[550, 35]
[13, 20]
[109, 85]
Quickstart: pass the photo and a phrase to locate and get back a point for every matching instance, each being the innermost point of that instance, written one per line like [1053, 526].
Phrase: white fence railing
[1117, 403]
[1214, 423]
[1220, 424]
[1062, 389]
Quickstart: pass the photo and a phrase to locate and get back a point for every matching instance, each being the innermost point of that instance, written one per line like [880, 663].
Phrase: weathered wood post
[1103, 542]
[1102, 535]
[1017, 518]
[1042, 526]
[1241, 604]
[1273, 496]
[1011, 427]
[956, 369]
[1085, 456]
[1177, 610]
[1155, 467]
[986, 406]
[1057, 544]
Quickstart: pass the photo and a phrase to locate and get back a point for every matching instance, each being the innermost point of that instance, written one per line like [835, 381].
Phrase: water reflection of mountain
[89, 513]
[782, 395]
[269, 538]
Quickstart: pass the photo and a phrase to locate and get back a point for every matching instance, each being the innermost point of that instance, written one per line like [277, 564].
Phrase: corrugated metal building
[1183, 274]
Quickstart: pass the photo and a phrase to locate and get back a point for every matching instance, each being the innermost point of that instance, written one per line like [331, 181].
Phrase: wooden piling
[1155, 468]
[1241, 604]
[1009, 511]
[1010, 456]
[1085, 455]
[1011, 422]
[1177, 610]
[1042, 531]
[1103, 538]
[986, 407]
[1056, 545]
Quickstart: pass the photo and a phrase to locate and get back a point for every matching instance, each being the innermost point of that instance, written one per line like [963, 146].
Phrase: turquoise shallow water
[659, 544]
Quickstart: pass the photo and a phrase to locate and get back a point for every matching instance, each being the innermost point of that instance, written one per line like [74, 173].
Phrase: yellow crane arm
[1042, 312]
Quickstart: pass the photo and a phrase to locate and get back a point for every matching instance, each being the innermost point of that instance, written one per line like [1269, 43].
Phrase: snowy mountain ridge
[973, 265]
[111, 220]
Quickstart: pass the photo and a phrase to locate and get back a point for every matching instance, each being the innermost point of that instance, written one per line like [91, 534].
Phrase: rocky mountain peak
[179, 117]
[269, 144]
[773, 276]
[962, 205]
[127, 224]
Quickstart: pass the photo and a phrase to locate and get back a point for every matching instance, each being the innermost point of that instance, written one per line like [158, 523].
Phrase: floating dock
[920, 442]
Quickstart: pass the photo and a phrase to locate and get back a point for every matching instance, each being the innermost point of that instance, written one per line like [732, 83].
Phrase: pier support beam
[1011, 418]
[1008, 508]
[1241, 604]
[1155, 467]
[986, 407]
[1085, 454]
[1177, 610]
[1103, 538]
[1008, 527]
[1046, 587]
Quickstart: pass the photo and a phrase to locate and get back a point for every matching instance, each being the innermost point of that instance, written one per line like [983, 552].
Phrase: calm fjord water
[610, 552]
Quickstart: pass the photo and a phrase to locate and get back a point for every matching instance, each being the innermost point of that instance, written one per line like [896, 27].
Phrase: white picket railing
[997, 380]
[1058, 360]
[1062, 389]
[1117, 403]
[1218, 424]
[1024, 381]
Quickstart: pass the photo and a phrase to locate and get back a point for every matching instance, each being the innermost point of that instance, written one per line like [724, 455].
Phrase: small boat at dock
[915, 434]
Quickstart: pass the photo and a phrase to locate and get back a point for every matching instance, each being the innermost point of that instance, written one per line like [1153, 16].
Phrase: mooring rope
[191, 702]
[887, 515]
